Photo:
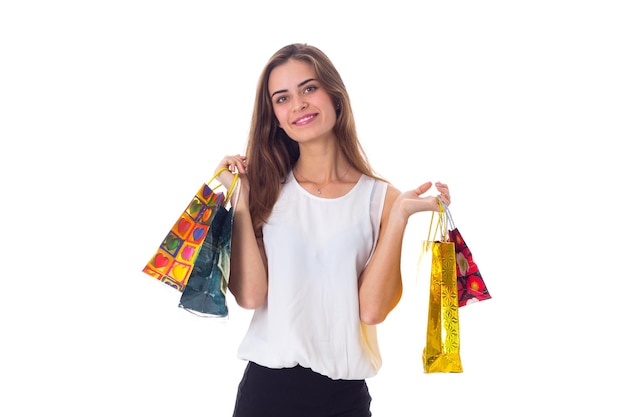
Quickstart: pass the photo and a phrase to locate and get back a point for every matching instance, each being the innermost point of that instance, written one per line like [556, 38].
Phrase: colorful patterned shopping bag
[443, 341]
[174, 259]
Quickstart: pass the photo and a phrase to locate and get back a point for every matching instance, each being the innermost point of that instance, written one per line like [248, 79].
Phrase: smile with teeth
[304, 119]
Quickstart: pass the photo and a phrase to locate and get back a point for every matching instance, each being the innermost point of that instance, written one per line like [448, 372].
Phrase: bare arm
[380, 284]
[248, 269]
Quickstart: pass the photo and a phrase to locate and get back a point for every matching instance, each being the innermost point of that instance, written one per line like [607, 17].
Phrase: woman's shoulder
[390, 189]
[391, 194]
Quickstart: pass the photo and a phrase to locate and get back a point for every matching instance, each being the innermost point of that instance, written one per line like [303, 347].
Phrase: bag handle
[451, 225]
[440, 226]
[232, 186]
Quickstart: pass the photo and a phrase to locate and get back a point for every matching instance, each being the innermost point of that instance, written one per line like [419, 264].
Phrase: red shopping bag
[470, 283]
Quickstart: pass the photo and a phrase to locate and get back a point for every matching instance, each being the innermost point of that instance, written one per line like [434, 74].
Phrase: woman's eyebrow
[299, 85]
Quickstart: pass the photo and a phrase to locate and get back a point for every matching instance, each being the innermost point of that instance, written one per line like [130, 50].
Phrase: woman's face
[304, 109]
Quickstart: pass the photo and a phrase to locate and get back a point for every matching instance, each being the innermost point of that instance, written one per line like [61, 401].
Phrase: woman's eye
[281, 99]
[309, 89]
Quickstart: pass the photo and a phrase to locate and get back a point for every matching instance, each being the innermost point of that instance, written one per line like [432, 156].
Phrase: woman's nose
[299, 104]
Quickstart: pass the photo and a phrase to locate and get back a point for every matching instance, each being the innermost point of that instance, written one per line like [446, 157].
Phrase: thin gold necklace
[319, 189]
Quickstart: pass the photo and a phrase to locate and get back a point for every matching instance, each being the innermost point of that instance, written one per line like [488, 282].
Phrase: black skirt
[299, 392]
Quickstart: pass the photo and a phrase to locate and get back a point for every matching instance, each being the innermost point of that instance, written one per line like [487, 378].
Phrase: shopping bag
[205, 292]
[442, 350]
[174, 259]
[471, 287]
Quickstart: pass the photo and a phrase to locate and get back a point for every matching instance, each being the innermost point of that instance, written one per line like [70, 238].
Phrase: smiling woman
[110, 111]
[304, 109]
[316, 245]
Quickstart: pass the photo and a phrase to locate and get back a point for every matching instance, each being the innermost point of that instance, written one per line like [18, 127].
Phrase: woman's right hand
[248, 273]
[234, 164]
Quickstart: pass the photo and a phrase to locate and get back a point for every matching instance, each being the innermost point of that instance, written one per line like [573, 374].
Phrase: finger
[233, 163]
[242, 164]
[444, 192]
[423, 188]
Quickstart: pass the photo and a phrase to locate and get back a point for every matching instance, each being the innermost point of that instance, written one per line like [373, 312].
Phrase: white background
[113, 113]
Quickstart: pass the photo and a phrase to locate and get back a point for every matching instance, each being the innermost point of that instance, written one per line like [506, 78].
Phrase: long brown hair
[271, 153]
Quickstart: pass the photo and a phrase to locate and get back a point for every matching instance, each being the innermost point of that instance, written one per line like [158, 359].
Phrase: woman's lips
[307, 118]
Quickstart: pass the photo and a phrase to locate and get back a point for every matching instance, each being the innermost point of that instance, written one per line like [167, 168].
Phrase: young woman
[316, 245]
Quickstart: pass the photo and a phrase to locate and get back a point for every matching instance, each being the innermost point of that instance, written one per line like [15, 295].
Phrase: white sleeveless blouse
[316, 250]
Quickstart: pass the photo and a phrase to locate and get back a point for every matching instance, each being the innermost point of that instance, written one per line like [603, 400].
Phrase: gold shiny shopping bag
[443, 343]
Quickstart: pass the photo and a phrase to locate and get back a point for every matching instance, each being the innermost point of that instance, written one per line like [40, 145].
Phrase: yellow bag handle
[232, 186]
[432, 232]
[441, 225]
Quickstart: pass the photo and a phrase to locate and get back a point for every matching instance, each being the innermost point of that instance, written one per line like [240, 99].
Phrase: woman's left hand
[412, 201]
[444, 192]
